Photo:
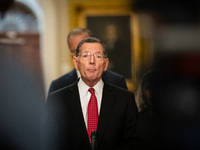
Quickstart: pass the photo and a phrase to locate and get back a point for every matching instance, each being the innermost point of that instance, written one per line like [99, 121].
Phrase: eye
[85, 55]
[98, 55]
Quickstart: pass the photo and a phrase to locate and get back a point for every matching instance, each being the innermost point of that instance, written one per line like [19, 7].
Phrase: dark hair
[79, 31]
[91, 40]
[155, 81]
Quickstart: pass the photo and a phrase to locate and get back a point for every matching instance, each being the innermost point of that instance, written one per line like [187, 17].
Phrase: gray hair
[79, 31]
[91, 40]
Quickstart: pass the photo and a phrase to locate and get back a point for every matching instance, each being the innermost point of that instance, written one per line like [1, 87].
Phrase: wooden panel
[24, 47]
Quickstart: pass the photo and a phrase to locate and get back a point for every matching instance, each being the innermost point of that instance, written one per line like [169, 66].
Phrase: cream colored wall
[60, 16]
[55, 54]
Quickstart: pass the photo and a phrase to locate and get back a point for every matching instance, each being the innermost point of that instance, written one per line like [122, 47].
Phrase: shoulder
[63, 93]
[66, 76]
[68, 88]
[63, 81]
[112, 74]
[114, 78]
[119, 91]
[123, 99]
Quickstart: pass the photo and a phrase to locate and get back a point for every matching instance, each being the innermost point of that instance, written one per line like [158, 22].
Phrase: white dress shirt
[78, 74]
[85, 96]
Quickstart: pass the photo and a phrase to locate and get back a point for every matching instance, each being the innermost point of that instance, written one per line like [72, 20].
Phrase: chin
[91, 78]
[91, 75]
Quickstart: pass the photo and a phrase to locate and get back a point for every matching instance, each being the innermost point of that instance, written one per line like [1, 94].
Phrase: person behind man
[149, 101]
[69, 118]
[73, 38]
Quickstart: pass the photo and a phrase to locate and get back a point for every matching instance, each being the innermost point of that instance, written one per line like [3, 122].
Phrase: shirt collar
[84, 88]
[78, 74]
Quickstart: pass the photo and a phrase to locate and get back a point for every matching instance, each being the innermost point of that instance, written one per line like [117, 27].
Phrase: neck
[91, 83]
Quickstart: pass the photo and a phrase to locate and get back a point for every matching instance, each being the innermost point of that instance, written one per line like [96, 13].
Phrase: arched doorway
[20, 39]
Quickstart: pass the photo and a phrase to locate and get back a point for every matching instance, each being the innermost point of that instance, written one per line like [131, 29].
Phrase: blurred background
[163, 35]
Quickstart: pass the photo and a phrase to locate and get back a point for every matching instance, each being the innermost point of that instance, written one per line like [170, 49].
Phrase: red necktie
[92, 114]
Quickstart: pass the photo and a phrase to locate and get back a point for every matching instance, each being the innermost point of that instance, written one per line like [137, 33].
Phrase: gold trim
[135, 42]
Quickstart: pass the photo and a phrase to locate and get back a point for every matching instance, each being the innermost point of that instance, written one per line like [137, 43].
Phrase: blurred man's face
[73, 42]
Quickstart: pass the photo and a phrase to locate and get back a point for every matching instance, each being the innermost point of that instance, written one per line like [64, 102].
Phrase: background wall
[60, 17]
[56, 59]
[159, 31]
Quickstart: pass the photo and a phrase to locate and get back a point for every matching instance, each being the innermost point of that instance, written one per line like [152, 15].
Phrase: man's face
[73, 42]
[91, 68]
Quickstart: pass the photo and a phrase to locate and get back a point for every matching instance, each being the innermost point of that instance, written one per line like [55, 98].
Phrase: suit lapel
[76, 109]
[106, 108]
[107, 103]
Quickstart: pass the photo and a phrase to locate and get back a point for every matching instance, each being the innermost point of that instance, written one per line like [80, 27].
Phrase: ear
[106, 64]
[75, 61]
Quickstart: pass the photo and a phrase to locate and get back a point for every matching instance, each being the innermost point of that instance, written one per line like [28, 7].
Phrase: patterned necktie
[92, 114]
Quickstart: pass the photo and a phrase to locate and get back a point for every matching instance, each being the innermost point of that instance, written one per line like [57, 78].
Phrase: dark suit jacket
[63, 125]
[71, 77]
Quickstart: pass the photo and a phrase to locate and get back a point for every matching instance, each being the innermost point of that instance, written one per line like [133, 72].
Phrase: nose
[92, 59]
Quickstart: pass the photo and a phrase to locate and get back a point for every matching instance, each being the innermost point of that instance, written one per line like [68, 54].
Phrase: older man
[90, 104]
[73, 38]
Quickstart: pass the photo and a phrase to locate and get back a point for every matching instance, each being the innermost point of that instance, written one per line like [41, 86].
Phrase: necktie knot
[91, 90]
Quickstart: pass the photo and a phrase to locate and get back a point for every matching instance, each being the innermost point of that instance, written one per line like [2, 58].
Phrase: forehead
[91, 47]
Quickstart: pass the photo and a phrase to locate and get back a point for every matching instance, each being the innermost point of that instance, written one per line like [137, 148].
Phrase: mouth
[91, 70]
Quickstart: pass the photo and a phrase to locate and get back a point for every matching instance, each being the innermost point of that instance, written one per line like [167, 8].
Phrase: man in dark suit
[73, 38]
[67, 122]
